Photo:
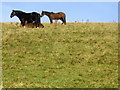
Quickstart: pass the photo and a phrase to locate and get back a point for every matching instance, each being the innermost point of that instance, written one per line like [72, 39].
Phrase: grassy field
[76, 55]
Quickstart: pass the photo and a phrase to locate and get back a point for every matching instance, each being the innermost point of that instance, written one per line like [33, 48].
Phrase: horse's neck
[19, 15]
[48, 14]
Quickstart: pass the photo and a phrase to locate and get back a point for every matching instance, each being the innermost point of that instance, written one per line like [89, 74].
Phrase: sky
[75, 11]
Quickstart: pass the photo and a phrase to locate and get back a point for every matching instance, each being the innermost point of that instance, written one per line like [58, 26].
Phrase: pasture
[75, 55]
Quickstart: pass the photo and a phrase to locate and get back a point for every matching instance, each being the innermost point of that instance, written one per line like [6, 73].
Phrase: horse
[32, 25]
[55, 16]
[27, 17]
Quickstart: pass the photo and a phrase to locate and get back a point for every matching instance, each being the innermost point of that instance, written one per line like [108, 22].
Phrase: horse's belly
[56, 18]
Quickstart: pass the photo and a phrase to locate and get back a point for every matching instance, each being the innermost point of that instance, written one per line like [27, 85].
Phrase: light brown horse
[33, 25]
[55, 16]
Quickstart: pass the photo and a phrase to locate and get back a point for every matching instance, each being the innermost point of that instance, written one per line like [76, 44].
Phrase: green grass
[76, 55]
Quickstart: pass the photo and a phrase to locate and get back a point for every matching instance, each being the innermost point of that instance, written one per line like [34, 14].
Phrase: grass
[76, 55]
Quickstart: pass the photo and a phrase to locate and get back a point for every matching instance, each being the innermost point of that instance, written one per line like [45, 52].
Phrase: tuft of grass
[76, 55]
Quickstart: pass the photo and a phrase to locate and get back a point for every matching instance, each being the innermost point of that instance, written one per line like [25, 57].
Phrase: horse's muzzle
[11, 16]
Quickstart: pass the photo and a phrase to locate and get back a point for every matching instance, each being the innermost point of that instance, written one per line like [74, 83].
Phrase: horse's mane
[19, 11]
[48, 12]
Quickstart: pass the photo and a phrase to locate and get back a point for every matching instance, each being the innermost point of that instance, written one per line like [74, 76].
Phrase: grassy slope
[78, 55]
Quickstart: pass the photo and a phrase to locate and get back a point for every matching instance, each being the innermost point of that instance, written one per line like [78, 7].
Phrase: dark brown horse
[55, 16]
[27, 17]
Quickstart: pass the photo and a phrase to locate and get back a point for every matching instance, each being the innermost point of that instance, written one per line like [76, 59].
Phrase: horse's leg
[62, 20]
[22, 22]
[50, 20]
[39, 21]
[36, 23]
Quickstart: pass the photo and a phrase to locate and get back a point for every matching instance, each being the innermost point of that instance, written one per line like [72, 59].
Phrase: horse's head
[13, 13]
[43, 13]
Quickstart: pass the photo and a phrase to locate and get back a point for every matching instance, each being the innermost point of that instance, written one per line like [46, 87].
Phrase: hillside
[76, 55]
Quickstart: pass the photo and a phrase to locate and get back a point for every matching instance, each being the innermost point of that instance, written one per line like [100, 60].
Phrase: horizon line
[68, 22]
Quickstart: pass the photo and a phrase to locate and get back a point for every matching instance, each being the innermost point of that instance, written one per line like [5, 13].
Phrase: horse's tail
[64, 18]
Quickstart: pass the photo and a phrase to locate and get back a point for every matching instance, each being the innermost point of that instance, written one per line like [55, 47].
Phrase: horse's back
[57, 16]
[61, 13]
